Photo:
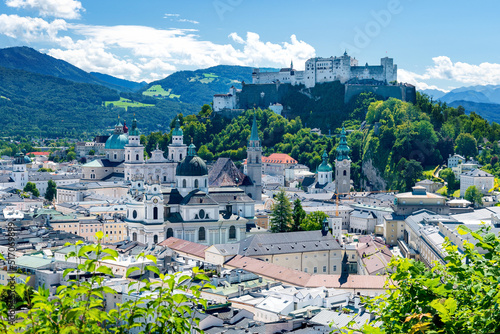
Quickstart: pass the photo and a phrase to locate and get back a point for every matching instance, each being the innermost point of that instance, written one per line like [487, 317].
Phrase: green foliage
[51, 192]
[47, 170]
[448, 175]
[466, 145]
[206, 111]
[313, 221]
[460, 297]
[78, 307]
[472, 194]
[298, 216]
[281, 215]
[31, 187]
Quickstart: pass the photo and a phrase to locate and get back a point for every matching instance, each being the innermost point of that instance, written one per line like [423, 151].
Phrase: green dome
[325, 166]
[177, 131]
[192, 165]
[343, 149]
[116, 142]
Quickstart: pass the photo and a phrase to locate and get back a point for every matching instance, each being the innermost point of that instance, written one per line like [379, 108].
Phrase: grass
[3, 97]
[125, 103]
[158, 91]
[443, 191]
[456, 194]
[207, 78]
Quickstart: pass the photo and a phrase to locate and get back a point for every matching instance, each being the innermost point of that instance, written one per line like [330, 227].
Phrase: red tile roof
[183, 246]
[279, 158]
[38, 153]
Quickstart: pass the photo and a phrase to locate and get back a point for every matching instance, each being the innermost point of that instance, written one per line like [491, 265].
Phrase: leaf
[99, 235]
[151, 257]
[153, 269]
[131, 270]
[111, 252]
[105, 270]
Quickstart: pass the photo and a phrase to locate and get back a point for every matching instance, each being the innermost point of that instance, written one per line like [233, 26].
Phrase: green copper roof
[254, 136]
[177, 131]
[343, 149]
[134, 131]
[116, 142]
[192, 164]
[325, 166]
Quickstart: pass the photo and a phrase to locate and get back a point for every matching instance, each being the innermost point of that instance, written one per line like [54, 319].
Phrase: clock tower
[343, 166]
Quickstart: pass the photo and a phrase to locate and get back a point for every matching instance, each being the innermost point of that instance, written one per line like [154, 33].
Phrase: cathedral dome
[116, 142]
[192, 165]
[177, 130]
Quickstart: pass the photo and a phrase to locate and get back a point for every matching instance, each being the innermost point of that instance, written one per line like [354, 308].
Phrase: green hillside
[34, 104]
[198, 87]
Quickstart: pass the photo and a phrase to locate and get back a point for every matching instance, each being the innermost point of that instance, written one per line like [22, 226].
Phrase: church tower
[325, 171]
[134, 153]
[254, 163]
[343, 166]
[19, 172]
[177, 150]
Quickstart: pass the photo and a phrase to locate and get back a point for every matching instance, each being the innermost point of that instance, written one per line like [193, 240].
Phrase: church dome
[116, 142]
[177, 130]
[192, 165]
[325, 166]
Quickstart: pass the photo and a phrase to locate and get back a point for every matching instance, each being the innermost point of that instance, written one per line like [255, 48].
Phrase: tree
[473, 195]
[298, 215]
[43, 169]
[281, 215]
[51, 192]
[31, 187]
[449, 176]
[206, 110]
[78, 307]
[459, 297]
[466, 145]
[313, 221]
[205, 154]
[91, 152]
[71, 156]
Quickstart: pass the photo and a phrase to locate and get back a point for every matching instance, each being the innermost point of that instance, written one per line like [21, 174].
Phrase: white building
[455, 159]
[482, 180]
[225, 101]
[320, 70]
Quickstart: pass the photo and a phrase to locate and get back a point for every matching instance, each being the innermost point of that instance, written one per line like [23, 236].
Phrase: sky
[436, 44]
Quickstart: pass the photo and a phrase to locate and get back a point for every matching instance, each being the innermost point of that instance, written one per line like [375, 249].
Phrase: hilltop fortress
[320, 70]
[269, 89]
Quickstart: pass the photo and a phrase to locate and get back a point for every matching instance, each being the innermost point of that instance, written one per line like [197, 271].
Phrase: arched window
[345, 172]
[128, 157]
[196, 185]
[184, 183]
[137, 157]
[155, 212]
[180, 157]
[201, 234]
[170, 233]
[155, 239]
[134, 236]
[232, 232]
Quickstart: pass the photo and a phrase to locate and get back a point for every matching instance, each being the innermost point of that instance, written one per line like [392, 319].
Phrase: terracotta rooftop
[183, 246]
[279, 158]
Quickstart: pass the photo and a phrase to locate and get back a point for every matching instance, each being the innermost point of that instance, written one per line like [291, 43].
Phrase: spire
[134, 131]
[325, 166]
[343, 149]
[291, 64]
[191, 150]
[125, 128]
[177, 130]
[254, 135]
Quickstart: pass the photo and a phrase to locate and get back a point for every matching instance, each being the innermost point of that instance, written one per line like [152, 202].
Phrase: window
[315, 270]
[155, 212]
[334, 268]
[305, 270]
[201, 214]
[232, 232]
[137, 157]
[155, 239]
[201, 234]
[170, 233]
[196, 183]
[184, 183]
[324, 269]
[134, 236]
[134, 214]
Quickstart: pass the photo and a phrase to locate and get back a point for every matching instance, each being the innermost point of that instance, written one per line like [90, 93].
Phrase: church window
[134, 214]
[137, 157]
[202, 214]
[128, 156]
[232, 232]
[184, 183]
[170, 233]
[155, 212]
[155, 239]
[164, 179]
[345, 172]
[180, 157]
[196, 185]
[201, 234]
[134, 236]
[114, 156]
[205, 183]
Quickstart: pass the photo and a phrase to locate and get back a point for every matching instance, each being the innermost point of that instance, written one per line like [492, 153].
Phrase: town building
[407, 203]
[455, 160]
[482, 180]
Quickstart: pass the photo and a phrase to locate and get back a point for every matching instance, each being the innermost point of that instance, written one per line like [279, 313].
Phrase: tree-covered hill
[198, 87]
[30, 60]
[34, 104]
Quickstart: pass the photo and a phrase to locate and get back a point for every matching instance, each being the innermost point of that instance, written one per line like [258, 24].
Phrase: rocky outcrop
[375, 181]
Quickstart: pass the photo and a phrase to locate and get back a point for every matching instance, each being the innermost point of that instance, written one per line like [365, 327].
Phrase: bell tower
[254, 163]
[343, 166]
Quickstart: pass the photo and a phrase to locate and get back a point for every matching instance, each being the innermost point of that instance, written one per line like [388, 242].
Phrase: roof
[33, 262]
[279, 158]
[308, 180]
[45, 176]
[254, 135]
[192, 164]
[38, 153]
[102, 163]
[225, 174]
[116, 141]
[184, 246]
[477, 173]
[363, 214]
[197, 197]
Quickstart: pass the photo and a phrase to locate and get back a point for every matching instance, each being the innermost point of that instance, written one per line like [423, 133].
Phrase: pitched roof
[183, 246]
[225, 174]
[279, 158]
[477, 173]
[197, 197]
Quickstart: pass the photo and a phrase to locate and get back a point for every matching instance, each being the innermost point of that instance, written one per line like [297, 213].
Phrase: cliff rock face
[372, 175]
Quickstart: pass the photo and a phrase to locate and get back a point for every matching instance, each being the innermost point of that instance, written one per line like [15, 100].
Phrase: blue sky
[436, 44]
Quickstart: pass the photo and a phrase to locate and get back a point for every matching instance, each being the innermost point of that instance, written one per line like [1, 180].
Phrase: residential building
[482, 180]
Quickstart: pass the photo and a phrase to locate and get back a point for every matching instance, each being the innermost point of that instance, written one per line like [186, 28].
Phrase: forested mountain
[30, 60]
[35, 104]
[489, 111]
[198, 87]
[131, 85]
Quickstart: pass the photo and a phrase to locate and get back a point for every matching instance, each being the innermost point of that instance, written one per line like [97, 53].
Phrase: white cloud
[189, 21]
[66, 9]
[32, 29]
[170, 15]
[415, 79]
